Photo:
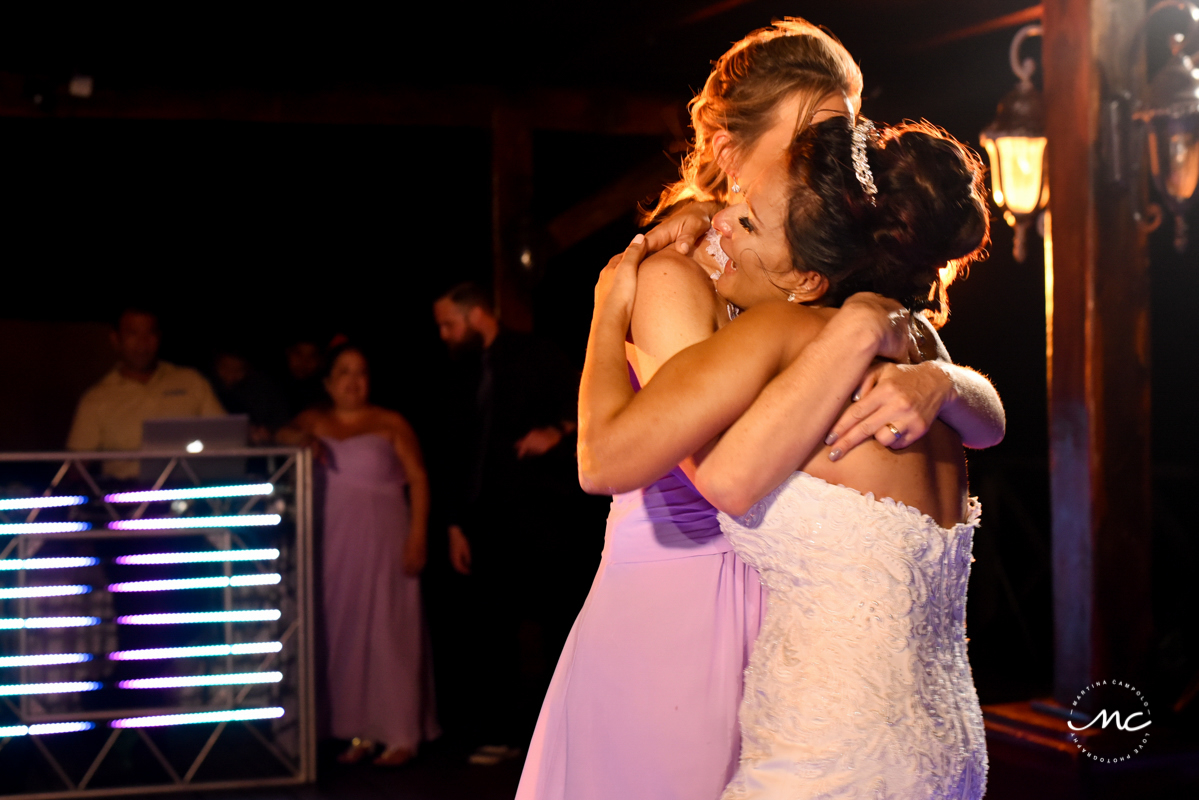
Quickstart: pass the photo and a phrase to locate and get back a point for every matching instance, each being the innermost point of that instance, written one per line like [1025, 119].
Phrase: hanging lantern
[1170, 113]
[1016, 147]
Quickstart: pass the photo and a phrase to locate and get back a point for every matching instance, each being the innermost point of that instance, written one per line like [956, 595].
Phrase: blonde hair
[745, 86]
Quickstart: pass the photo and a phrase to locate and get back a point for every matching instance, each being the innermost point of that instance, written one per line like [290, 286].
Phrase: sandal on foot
[358, 750]
[394, 757]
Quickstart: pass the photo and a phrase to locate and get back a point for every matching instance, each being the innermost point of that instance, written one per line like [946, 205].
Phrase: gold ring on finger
[894, 431]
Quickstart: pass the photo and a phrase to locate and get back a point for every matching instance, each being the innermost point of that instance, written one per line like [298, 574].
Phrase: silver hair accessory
[861, 167]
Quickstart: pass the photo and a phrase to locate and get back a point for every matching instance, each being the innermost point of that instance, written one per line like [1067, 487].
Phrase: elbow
[989, 436]
[723, 493]
[592, 479]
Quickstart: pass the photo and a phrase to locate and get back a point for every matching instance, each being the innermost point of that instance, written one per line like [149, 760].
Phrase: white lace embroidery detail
[858, 685]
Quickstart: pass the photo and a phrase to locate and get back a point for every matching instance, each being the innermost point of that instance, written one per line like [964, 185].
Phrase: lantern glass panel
[993, 157]
[1021, 171]
[1180, 155]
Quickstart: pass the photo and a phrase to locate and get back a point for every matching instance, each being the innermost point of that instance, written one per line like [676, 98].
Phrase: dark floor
[440, 772]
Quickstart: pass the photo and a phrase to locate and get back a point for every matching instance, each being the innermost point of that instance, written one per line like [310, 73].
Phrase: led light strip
[269, 554]
[8, 528]
[245, 649]
[49, 658]
[48, 688]
[264, 615]
[43, 591]
[17, 623]
[202, 680]
[45, 728]
[199, 492]
[178, 523]
[196, 583]
[17, 503]
[203, 716]
[7, 564]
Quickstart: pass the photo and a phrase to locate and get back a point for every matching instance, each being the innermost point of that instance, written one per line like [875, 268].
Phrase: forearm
[787, 421]
[627, 440]
[418, 500]
[292, 436]
[973, 408]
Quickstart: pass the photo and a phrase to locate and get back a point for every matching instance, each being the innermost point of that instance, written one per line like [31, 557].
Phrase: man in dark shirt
[514, 523]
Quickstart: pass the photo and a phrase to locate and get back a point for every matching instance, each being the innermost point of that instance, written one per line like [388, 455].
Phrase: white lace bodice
[858, 685]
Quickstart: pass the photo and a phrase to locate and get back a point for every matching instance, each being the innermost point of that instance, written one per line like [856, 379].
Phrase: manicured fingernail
[856, 397]
[835, 454]
[832, 437]
[639, 238]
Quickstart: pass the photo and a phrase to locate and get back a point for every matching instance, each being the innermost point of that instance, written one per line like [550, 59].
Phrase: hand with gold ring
[895, 405]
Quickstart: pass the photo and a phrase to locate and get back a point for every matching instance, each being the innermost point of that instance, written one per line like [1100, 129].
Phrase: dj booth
[155, 635]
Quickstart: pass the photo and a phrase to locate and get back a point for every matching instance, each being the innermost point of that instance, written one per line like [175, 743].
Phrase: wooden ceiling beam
[584, 111]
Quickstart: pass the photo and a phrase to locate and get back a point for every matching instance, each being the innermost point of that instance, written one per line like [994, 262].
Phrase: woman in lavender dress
[376, 505]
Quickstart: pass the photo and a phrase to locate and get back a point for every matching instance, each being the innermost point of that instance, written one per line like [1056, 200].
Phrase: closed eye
[745, 223]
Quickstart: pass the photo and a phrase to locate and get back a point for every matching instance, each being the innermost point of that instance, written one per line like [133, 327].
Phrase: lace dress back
[858, 685]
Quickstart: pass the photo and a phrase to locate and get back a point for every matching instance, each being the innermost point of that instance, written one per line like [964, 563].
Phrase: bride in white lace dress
[859, 683]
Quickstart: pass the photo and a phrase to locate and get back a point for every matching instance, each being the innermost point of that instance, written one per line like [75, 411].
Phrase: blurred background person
[302, 385]
[520, 525]
[244, 390]
[140, 387]
[375, 513]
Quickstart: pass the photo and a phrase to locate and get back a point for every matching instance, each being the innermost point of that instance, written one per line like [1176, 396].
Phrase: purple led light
[199, 492]
[192, 719]
[232, 679]
[197, 651]
[203, 557]
[45, 728]
[257, 615]
[175, 584]
[185, 523]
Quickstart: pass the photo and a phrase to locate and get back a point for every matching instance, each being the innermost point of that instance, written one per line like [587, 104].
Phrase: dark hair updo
[928, 220]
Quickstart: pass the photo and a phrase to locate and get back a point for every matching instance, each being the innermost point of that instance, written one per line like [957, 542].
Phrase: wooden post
[511, 209]
[1099, 370]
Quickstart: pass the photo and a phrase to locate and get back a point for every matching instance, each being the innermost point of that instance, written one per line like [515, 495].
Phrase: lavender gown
[378, 665]
[643, 704]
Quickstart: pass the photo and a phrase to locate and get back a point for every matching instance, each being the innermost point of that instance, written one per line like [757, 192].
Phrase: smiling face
[348, 383]
[752, 234]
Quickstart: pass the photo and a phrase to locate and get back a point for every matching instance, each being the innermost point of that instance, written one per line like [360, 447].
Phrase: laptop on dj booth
[192, 436]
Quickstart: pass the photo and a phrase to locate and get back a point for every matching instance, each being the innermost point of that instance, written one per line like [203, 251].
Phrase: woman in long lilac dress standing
[643, 703]
[376, 505]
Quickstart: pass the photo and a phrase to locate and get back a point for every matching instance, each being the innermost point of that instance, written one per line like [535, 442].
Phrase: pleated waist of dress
[363, 483]
[667, 520]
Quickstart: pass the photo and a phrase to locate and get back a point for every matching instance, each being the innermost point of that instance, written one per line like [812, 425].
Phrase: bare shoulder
[394, 422]
[675, 306]
[780, 318]
[670, 272]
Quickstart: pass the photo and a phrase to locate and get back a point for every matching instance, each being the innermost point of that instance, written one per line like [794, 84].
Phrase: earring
[736, 187]
[715, 275]
[791, 297]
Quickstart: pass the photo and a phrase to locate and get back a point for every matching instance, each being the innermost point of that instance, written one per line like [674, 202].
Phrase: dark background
[250, 233]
